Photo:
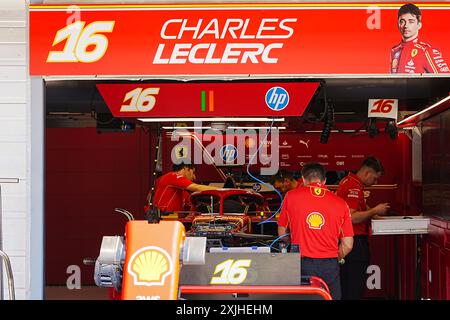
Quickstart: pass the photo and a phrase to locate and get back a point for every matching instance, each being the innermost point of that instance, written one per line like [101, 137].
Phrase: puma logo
[305, 143]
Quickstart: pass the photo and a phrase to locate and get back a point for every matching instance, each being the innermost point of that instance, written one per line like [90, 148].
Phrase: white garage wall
[15, 143]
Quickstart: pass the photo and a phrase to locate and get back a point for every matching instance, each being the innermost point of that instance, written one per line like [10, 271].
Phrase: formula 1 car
[225, 217]
[157, 259]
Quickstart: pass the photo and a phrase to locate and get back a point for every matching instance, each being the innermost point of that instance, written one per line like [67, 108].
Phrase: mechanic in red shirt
[351, 189]
[413, 55]
[317, 220]
[169, 188]
[285, 182]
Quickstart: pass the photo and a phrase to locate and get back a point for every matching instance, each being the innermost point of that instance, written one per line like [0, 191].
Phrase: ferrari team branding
[224, 39]
[212, 146]
[315, 220]
[353, 193]
[200, 41]
[277, 98]
[231, 272]
[208, 101]
[181, 152]
[383, 108]
[150, 266]
[139, 100]
[317, 192]
[78, 37]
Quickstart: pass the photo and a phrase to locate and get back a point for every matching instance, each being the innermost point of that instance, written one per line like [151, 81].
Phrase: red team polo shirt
[351, 189]
[316, 218]
[169, 191]
[416, 56]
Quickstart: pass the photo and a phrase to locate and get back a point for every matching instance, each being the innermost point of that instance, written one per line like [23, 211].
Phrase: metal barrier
[281, 291]
[9, 275]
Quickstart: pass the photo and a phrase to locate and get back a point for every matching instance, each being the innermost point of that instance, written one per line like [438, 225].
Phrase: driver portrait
[413, 55]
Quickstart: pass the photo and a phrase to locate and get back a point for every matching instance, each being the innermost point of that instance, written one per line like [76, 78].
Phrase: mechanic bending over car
[352, 189]
[285, 182]
[170, 189]
[318, 220]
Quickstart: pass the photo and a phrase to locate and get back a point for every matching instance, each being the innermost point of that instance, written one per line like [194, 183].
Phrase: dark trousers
[354, 270]
[325, 268]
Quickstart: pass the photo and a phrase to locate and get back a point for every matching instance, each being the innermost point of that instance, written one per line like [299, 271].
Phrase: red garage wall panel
[87, 176]
[436, 262]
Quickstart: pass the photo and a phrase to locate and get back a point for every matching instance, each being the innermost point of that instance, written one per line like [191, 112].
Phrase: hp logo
[228, 153]
[256, 187]
[277, 98]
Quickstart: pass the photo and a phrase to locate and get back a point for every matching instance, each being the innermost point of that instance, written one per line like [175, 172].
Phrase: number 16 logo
[383, 108]
[78, 39]
[231, 272]
[141, 100]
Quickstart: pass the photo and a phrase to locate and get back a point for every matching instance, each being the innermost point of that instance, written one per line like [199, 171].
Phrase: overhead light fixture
[417, 115]
[187, 128]
[221, 126]
[209, 119]
[51, 113]
[234, 128]
[346, 131]
[256, 128]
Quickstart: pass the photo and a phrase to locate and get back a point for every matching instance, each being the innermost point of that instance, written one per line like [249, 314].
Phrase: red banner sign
[149, 100]
[344, 151]
[235, 39]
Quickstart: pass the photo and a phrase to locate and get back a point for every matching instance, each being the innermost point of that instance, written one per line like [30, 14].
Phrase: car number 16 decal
[231, 272]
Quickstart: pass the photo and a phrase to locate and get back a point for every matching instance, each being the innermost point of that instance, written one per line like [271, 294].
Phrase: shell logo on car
[315, 220]
[149, 266]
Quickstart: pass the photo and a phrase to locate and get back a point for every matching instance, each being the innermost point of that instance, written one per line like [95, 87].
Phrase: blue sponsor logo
[228, 153]
[277, 98]
[257, 187]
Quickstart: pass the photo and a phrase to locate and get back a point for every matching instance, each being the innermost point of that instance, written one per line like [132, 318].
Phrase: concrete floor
[85, 293]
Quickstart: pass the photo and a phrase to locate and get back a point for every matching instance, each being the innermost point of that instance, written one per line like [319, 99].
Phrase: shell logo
[315, 220]
[150, 266]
